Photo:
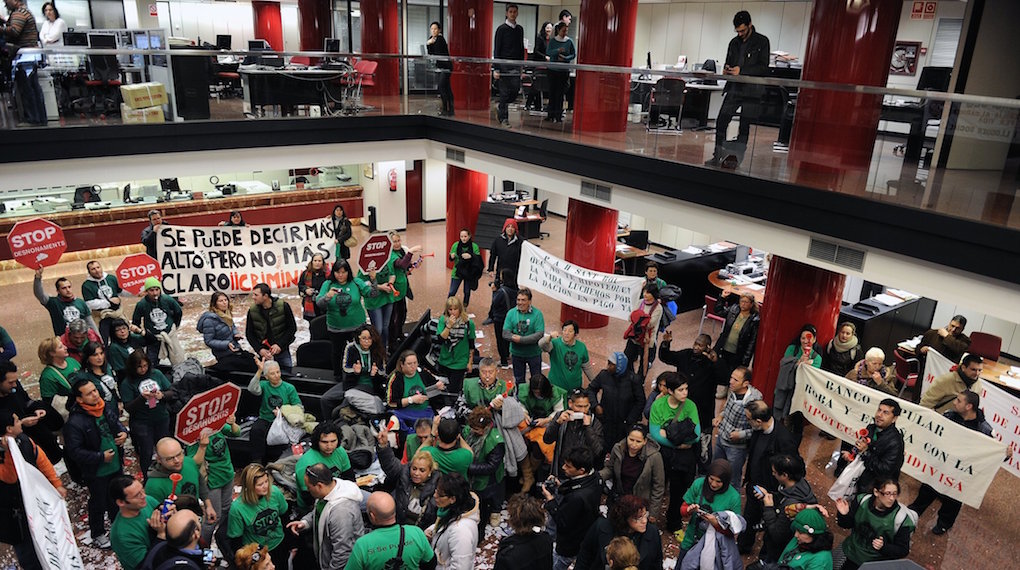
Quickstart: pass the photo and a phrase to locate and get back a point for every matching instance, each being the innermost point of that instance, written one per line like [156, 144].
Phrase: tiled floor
[982, 539]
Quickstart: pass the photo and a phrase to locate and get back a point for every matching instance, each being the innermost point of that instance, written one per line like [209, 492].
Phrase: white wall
[207, 19]
[976, 321]
[434, 191]
[922, 31]
[390, 207]
[702, 30]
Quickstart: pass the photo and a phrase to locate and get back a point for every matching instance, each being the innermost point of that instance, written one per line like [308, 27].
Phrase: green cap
[809, 521]
[150, 283]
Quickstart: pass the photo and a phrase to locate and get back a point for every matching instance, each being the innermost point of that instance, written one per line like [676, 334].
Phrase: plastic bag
[282, 433]
[846, 484]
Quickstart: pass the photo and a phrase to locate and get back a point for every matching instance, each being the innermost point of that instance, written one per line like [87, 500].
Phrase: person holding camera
[340, 296]
[572, 503]
[573, 428]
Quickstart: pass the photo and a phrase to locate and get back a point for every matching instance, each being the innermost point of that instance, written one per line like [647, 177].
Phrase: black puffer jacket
[401, 473]
[593, 550]
[506, 254]
[531, 550]
[574, 509]
[82, 439]
[883, 458]
[748, 335]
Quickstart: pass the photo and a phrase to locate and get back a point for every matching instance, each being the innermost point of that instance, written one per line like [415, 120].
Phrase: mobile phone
[207, 556]
[576, 416]
[759, 490]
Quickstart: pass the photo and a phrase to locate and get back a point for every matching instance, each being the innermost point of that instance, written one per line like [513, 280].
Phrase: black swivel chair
[543, 210]
[104, 83]
[666, 102]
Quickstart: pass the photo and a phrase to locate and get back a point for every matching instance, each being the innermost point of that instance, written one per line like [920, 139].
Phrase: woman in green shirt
[275, 393]
[379, 301]
[145, 392]
[543, 402]
[365, 361]
[58, 375]
[402, 259]
[125, 338]
[95, 368]
[457, 351]
[406, 393]
[340, 296]
[680, 460]
[802, 350]
[467, 266]
[258, 514]
[712, 493]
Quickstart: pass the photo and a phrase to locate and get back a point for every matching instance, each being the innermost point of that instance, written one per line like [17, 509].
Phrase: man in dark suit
[770, 438]
[509, 44]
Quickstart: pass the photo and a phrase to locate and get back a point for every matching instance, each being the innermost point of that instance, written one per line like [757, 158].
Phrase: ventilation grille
[455, 155]
[837, 254]
[597, 191]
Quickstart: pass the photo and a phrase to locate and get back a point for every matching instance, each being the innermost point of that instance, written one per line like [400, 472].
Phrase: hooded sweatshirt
[507, 251]
[787, 503]
[97, 292]
[455, 544]
[337, 525]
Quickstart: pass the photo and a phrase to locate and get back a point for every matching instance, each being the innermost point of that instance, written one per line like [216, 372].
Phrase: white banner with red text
[935, 365]
[1002, 411]
[956, 461]
[593, 291]
[233, 259]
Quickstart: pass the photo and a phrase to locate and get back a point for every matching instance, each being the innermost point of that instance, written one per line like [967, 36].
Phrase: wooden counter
[122, 225]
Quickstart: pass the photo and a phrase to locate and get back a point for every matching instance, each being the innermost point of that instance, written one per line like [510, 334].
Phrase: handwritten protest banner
[234, 259]
[601, 293]
[46, 511]
[1002, 411]
[956, 461]
[935, 365]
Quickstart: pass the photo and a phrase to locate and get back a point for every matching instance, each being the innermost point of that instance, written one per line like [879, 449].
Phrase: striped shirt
[20, 29]
[734, 419]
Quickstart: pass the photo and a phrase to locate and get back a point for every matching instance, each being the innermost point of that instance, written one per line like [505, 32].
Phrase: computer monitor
[76, 39]
[103, 41]
[169, 185]
[332, 45]
[141, 40]
[223, 41]
[258, 45]
[934, 78]
[742, 251]
[637, 239]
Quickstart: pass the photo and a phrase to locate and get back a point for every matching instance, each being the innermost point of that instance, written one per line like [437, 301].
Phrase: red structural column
[606, 38]
[268, 24]
[469, 34]
[834, 132]
[796, 294]
[314, 24]
[590, 243]
[380, 24]
[465, 192]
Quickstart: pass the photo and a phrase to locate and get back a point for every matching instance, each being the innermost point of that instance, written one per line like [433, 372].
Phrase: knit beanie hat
[809, 521]
[510, 222]
[150, 283]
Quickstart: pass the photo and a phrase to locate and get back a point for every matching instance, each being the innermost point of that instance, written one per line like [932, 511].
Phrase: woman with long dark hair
[340, 296]
[467, 266]
[309, 283]
[454, 536]
[365, 361]
[146, 391]
[436, 45]
[535, 96]
[342, 232]
[811, 545]
[627, 517]
[221, 334]
[95, 368]
[635, 468]
[803, 349]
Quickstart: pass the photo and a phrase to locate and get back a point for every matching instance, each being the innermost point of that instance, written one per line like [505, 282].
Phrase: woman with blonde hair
[402, 258]
[416, 483]
[58, 375]
[262, 501]
[621, 554]
[457, 351]
[253, 557]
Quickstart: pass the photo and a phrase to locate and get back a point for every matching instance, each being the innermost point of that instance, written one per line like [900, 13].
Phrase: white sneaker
[102, 541]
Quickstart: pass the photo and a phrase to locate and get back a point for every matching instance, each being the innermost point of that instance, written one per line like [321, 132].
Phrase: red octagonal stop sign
[36, 243]
[210, 409]
[375, 253]
[135, 269]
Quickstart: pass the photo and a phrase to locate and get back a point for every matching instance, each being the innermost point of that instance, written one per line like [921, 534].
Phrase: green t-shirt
[131, 389]
[130, 537]
[477, 395]
[107, 443]
[401, 283]
[565, 363]
[371, 551]
[524, 324]
[661, 413]
[159, 487]
[541, 408]
[261, 523]
[456, 460]
[57, 382]
[492, 439]
[796, 559]
[411, 445]
[455, 351]
[219, 469]
[453, 256]
[117, 353]
[338, 462]
[727, 500]
[275, 396]
[63, 313]
[412, 386]
[376, 298]
[344, 311]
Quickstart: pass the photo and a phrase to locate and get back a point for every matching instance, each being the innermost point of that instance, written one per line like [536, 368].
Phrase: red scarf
[95, 411]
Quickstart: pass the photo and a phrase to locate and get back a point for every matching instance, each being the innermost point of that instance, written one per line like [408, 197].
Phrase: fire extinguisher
[393, 179]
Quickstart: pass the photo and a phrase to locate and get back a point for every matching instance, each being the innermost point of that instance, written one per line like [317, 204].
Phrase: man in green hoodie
[160, 314]
[101, 293]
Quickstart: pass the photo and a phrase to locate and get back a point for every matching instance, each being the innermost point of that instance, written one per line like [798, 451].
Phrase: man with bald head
[170, 458]
[182, 548]
[372, 551]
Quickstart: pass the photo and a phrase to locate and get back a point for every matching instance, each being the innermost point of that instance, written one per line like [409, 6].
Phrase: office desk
[723, 285]
[629, 255]
[293, 86]
[526, 203]
[989, 373]
[886, 326]
[529, 226]
[690, 273]
[912, 114]
[702, 102]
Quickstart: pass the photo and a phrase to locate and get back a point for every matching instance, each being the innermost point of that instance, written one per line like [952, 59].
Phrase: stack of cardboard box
[142, 102]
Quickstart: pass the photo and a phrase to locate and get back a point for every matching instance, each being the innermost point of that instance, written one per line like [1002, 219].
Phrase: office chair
[543, 210]
[315, 354]
[104, 83]
[708, 312]
[907, 371]
[363, 76]
[85, 194]
[985, 345]
[667, 100]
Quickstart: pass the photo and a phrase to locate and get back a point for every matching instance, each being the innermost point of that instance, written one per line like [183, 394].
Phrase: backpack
[397, 562]
[638, 326]
[667, 298]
